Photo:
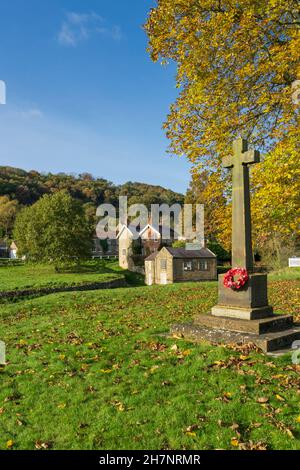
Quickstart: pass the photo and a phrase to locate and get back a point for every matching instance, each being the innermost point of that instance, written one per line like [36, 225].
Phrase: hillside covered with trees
[20, 188]
[28, 187]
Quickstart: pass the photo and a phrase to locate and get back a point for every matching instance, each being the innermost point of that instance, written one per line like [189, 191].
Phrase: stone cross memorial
[243, 314]
[250, 302]
[242, 256]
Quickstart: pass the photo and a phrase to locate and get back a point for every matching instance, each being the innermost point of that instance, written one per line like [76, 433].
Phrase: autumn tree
[276, 202]
[208, 189]
[236, 64]
[53, 229]
[8, 212]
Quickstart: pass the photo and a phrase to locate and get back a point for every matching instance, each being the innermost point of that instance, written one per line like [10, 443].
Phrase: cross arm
[227, 162]
[250, 157]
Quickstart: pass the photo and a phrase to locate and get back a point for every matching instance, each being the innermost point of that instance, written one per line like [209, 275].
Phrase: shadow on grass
[134, 279]
[89, 266]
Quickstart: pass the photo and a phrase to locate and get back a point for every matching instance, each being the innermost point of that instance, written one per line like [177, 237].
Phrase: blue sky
[83, 94]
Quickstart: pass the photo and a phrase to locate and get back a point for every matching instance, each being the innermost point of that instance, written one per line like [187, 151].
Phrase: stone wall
[195, 275]
[114, 284]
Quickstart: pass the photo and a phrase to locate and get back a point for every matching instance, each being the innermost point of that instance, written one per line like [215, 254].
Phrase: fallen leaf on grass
[235, 426]
[262, 400]
[187, 352]
[234, 442]
[253, 446]
[120, 406]
[39, 445]
[178, 336]
[192, 429]
[244, 358]
[289, 433]
[280, 398]
[9, 444]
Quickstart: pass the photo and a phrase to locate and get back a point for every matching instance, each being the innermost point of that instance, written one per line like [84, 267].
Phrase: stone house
[180, 265]
[126, 241]
[132, 253]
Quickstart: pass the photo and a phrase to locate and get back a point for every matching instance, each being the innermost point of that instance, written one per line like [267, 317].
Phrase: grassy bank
[29, 276]
[91, 371]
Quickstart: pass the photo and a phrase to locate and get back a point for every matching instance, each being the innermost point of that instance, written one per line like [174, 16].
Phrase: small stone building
[13, 250]
[179, 265]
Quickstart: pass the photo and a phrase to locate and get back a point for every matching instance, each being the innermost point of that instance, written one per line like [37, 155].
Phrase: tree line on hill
[20, 189]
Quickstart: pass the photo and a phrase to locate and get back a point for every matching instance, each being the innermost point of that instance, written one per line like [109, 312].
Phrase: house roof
[131, 230]
[181, 253]
[148, 226]
[152, 256]
[122, 229]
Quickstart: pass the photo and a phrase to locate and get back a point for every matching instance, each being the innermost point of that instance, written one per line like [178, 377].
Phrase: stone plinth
[273, 324]
[248, 303]
[242, 313]
[268, 342]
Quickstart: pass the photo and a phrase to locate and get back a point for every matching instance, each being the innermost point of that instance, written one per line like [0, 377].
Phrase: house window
[163, 264]
[203, 265]
[124, 252]
[187, 266]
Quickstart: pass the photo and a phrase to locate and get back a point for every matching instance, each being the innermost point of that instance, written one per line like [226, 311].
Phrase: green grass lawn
[285, 274]
[30, 276]
[92, 371]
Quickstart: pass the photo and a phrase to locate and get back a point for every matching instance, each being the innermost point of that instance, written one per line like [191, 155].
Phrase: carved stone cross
[242, 255]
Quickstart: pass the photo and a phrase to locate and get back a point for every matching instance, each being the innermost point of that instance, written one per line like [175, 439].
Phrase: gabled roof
[159, 232]
[181, 253]
[152, 256]
[124, 227]
[147, 227]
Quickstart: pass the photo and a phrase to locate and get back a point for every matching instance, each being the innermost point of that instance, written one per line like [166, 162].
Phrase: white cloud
[79, 27]
[32, 113]
[24, 113]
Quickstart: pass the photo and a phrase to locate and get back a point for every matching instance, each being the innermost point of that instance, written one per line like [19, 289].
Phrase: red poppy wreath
[229, 278]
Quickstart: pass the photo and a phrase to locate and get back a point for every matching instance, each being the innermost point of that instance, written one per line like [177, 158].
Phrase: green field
[35, 276]
[92, 370]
